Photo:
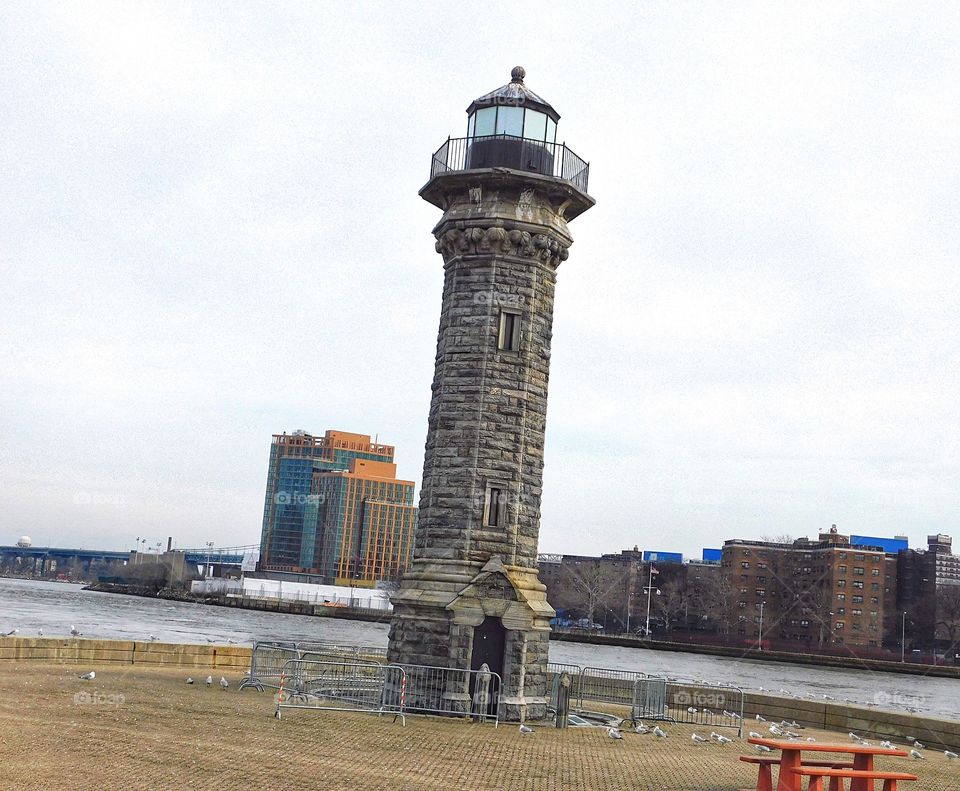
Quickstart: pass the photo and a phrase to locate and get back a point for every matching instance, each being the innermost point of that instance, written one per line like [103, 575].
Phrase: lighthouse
[471, 595]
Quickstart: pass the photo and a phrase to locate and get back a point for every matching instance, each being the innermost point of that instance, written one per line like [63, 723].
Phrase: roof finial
[518, 74]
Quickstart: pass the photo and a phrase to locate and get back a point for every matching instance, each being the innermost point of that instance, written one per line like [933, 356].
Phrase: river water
[55, 607]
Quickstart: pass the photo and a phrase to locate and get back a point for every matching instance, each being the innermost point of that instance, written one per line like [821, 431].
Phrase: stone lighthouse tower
[471, 594]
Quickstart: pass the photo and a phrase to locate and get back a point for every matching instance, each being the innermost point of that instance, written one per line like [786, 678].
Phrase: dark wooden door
[489, 640]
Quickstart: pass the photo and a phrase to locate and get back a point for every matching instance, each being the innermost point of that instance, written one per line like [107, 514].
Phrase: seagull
[641, 729]
[224, 683]
[719, 738]
[853, 737]
[810, 739]
[775, 730]
[917, 744]
[659, 732]
[755, 735]
[153, 638]
[698, 739]
[74, 631]
[189, 680]
[231, 641]
[39, 632]
[761, 719]
[525, 729]
[11, 633]
[762, 748]
[951, 756]
[691, 710]
[209, 680]
[828, 697]
[792, 735]
[886, 745]
[917, 756]
[89, 676]
[790, 724]
[613, 733]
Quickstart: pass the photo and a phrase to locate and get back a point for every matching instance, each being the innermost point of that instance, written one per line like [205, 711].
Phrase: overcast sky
[210, 232]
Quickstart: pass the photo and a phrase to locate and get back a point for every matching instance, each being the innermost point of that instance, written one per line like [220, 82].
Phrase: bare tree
[948, 615]
[592, 587]
[672, 603]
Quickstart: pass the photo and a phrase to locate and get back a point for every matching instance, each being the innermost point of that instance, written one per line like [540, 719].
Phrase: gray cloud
[209, 232]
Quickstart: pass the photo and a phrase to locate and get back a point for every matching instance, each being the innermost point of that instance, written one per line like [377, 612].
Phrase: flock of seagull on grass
[782, 730]
[224, 684]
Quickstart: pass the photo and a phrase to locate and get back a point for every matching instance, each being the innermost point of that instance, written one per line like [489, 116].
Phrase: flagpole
[649, 591]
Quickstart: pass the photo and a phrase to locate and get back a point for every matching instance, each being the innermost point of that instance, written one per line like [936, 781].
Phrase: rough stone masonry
[472, 593]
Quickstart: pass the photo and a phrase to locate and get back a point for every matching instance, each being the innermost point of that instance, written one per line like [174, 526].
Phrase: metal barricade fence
[266, 664]
[341, 686]
[268, 657]
[357, 652]
[608, 686]
[445, 691]
[689, 702]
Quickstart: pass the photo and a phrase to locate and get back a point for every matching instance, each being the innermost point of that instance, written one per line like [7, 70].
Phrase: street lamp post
[903, 636]
[760, 642]
[649, 594]
[628, 606]
[209, 571]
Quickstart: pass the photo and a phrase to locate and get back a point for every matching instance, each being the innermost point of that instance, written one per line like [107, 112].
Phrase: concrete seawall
[124, 652]
[867, 722]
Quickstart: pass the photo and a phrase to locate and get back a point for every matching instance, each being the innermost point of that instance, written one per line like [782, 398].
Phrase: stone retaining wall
[864, 721]
[127, 652]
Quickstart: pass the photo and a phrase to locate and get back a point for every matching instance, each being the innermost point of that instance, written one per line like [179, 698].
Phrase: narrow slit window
[509, 338]
[493, 512]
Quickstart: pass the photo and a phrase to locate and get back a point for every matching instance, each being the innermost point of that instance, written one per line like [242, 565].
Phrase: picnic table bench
[793, 767]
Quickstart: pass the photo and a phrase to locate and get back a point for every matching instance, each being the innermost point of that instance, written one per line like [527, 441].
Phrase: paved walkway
[164, 734]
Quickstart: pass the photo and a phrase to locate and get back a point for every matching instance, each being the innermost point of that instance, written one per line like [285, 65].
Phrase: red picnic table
[792, 764]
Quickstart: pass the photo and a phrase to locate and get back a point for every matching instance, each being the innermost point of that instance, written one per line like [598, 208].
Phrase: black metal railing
[519, 153]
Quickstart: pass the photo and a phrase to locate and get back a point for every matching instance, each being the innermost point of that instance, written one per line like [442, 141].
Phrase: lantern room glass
[512, 121]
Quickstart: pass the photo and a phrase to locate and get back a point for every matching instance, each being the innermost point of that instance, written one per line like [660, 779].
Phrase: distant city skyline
[210, 233]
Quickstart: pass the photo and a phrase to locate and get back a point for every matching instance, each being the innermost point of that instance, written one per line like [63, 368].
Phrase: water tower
[471, 594]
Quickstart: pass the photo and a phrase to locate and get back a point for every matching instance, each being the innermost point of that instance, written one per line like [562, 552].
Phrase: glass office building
[335, 508]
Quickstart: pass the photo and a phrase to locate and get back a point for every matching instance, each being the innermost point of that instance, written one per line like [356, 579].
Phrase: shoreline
[293, 607]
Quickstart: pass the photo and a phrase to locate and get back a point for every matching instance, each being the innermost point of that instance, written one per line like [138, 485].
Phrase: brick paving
[167, 735]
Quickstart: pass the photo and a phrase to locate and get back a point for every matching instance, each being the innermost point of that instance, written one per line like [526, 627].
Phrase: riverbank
[256, 603]
[817, 660]
[298, 607]
[145, 728]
